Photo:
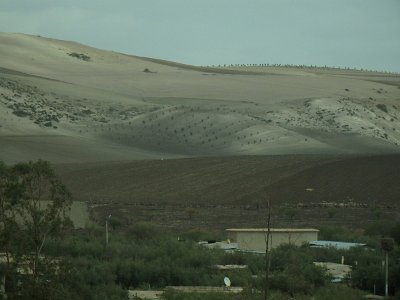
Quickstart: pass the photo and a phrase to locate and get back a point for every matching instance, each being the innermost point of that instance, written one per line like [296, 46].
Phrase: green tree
[10, 191]
[294, 272]
[42, 205]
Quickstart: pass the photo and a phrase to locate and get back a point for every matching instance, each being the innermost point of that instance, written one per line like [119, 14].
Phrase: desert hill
[322, 141]
[68, 102]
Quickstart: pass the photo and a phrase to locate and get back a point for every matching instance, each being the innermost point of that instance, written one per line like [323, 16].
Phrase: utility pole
[107, 229]
[387, 245]
[267, 250]
[387, 274]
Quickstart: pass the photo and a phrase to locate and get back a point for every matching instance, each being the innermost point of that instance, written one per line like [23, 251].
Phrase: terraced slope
[346, 190]
[67, 102]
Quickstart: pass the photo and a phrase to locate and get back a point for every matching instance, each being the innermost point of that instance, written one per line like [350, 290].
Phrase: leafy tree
[380, 228]
[143, 231]
[33, 207]
[294, 272]
[115, 222]
[43, 208]
[9, 193]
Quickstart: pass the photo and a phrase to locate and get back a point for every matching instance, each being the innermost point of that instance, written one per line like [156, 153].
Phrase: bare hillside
[67, 102]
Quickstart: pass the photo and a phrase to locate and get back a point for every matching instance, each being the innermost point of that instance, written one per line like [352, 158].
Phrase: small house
[254, 239]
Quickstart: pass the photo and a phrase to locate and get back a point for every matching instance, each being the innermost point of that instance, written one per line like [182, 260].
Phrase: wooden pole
[267, 250]
[387, 274]
[106, 232]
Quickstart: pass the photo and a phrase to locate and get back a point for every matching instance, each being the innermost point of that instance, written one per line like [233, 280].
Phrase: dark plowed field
[227, 192]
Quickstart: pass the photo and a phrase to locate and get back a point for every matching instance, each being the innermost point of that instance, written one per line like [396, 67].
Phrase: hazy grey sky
[353, 33]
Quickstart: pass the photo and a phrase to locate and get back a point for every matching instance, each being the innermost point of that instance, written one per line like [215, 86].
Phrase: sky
[339, 33]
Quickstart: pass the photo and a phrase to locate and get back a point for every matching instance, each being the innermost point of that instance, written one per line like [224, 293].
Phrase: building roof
[335, 244]
[272, 230]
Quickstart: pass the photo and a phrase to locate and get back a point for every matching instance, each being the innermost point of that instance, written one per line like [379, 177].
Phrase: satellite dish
[227, 282]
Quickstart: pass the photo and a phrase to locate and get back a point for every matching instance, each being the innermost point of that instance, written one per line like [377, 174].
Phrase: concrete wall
[255, 241]
[79, 214]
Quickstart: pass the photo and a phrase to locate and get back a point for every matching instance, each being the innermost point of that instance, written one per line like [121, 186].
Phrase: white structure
[339, 272]
[254, 239]
[335, 244]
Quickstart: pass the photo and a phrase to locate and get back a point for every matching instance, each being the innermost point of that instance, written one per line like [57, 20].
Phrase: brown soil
[231, 192]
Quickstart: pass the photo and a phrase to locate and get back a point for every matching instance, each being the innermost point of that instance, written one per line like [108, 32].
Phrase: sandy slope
[65, 109]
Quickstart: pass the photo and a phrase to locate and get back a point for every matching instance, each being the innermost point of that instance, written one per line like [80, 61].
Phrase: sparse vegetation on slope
[80, 56]
[288, 110]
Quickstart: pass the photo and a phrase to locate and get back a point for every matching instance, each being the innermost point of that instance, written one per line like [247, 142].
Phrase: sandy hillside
[67, 102]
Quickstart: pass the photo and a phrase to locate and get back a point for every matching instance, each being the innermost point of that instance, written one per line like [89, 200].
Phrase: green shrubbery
[144, 258]
[80, 56]
[293, 270]
[175, 295]
[331, 292]
[197, 235]
[72, 264]
[79, 265]
[380, 228]
[150, 260]
[143, 231]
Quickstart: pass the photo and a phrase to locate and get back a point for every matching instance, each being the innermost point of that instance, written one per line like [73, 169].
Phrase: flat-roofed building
[254, 239]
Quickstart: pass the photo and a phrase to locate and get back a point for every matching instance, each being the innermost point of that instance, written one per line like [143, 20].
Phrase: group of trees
[143, 257]
[33, 207]
[37, 264]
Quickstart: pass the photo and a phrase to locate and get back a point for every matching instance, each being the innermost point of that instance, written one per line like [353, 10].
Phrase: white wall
[255, 240]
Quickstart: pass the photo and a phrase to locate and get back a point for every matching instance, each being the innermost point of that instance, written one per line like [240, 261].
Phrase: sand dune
[68, 102]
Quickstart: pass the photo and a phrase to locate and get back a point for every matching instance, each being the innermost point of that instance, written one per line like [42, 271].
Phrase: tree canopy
[33, 207]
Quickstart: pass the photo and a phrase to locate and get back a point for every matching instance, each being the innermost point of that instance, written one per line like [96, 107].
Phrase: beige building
[254, 239]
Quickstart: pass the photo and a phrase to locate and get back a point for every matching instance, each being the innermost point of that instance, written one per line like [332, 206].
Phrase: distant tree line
[298, 67]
